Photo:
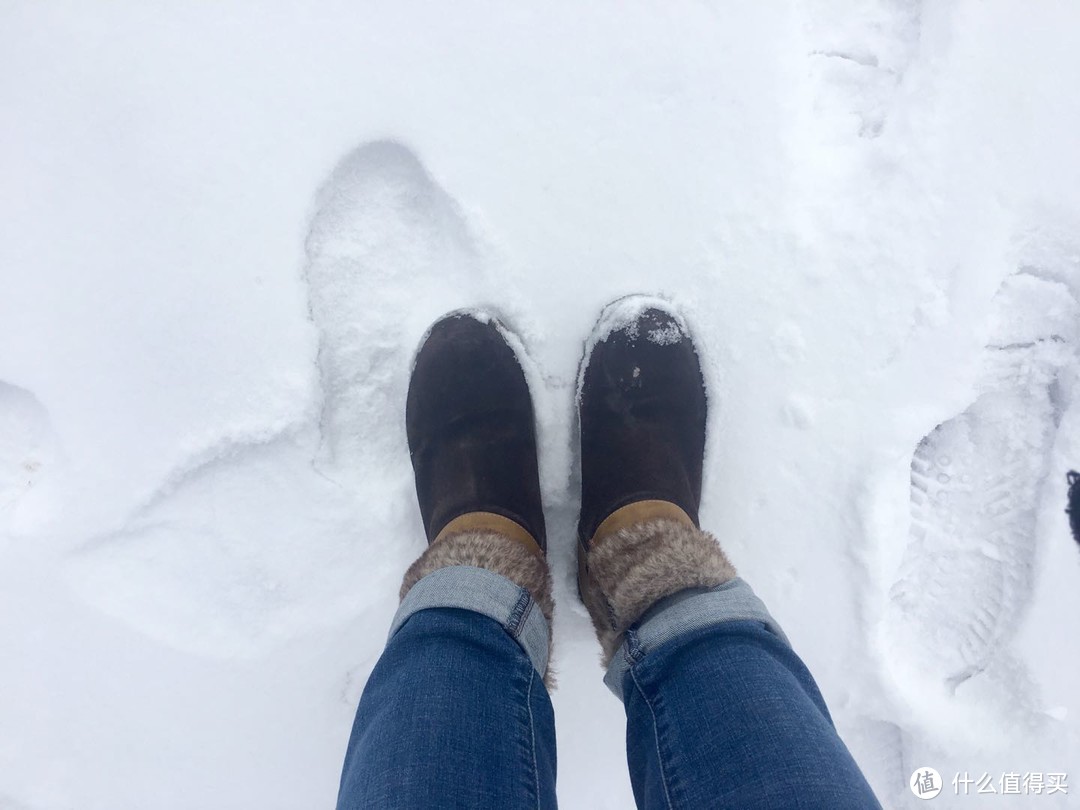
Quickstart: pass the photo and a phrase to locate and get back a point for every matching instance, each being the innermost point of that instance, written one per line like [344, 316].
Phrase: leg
[456, 713]
[725, 714]
[720, 711]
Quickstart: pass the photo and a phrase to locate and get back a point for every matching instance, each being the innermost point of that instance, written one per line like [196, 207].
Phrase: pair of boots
[642, 411]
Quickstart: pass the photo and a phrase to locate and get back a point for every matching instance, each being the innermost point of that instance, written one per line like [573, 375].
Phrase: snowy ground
[226, 226]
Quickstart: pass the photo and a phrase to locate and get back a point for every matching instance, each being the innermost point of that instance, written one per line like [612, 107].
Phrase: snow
[228, 226]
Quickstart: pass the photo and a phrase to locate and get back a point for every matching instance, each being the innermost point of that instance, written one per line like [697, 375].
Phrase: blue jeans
[720, 711]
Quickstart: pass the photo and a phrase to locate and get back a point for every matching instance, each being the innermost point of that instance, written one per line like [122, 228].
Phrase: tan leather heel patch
[490, 522]
[638, 513]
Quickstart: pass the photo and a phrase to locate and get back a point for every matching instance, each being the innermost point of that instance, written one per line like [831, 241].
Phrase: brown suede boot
[472, 440]
[642, 408]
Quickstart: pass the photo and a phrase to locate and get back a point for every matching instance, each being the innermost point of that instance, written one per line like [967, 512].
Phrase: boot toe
[464, 368]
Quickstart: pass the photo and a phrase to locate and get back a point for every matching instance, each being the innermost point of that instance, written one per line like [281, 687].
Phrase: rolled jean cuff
[685, 612]
[487, 593]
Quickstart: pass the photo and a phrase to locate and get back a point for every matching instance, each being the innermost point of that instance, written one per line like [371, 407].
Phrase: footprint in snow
[859, 56]
[389, 251]
[248, 545]
[976, 481]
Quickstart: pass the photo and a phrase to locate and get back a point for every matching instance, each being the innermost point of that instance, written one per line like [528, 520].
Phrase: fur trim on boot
[629, 571]
[496, 553]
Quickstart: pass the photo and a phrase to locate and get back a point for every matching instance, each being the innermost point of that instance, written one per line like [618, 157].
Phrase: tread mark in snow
[966, 574]
[860, 59]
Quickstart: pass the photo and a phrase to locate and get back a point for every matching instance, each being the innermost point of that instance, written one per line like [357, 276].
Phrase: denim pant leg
[722, 713]
[455, 713]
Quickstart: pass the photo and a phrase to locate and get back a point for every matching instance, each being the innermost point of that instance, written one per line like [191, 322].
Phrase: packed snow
[227, 226]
